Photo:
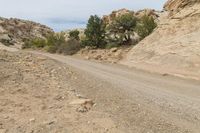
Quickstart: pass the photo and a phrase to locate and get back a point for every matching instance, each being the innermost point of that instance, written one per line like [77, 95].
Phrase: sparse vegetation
[34, 43]
[74, 34]
[54, 43]
[145, 26]
[112, 45]
[71, 47]
[122, 28]
[95, 33]
[50, 43]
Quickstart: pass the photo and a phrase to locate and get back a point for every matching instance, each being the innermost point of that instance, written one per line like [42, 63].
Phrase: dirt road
[138, 101]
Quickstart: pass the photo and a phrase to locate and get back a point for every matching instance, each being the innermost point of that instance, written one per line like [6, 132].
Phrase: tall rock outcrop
[176, 5]
[174, 47]
[15, 31]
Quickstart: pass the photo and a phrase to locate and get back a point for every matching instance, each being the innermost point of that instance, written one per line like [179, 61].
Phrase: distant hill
[111, 17]
[14, 31]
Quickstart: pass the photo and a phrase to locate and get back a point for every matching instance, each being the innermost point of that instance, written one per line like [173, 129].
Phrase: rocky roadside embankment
[175, 45]
[112, 55]
[36, 97]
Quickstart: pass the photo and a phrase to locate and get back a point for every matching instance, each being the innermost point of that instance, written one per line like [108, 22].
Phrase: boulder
[97, 57]
[4, 37]
[113, 49]
[2, 30]
[82, 102]
[84, 105]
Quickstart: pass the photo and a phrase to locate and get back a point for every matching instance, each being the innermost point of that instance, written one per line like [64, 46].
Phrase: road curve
[146, 102]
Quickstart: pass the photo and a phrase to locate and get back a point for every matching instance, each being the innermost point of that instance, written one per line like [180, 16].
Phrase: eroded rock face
[110, 18]
[18, 30]
[177, 5]
[174, 46]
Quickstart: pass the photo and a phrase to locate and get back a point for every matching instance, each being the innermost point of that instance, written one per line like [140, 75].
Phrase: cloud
[60, 24]
[55, 12]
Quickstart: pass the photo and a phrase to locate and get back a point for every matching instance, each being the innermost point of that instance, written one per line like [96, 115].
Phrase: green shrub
[145, 26]
[39, 43]
[51, 48]
[95, 32]
[26, 44]
[71, 47]
[122, 27]
[54, 41]
[112, 45]
[34, 43]
[74, 34]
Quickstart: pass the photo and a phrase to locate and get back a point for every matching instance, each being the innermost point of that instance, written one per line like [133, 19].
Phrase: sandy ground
[137, 101]
[35, 97]
[42, 93]
[3, 47]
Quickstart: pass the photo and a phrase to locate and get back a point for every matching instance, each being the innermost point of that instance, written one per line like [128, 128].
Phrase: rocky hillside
[150, 12]
[174, 47]
[177, 5]
[15, 31]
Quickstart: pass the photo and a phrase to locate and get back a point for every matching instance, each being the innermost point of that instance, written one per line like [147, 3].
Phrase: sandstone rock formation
[150, 12]
[174, 47]
[176, 5]
[15, 31]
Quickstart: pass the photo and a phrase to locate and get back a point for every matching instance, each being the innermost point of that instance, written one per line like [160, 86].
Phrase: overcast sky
[66, 14]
